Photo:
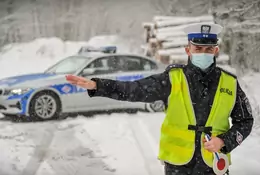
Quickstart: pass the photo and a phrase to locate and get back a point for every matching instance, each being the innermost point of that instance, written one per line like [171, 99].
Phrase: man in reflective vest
[199, 98]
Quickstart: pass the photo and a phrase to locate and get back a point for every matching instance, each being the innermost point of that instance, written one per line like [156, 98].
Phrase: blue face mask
[202, 60]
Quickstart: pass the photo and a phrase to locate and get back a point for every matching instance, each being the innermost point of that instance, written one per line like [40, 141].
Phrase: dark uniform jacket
[202, 86]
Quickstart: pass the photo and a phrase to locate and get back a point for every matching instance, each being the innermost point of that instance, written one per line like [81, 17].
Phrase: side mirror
[88, 71]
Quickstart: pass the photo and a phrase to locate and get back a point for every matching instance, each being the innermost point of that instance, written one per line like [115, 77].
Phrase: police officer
[199, 98]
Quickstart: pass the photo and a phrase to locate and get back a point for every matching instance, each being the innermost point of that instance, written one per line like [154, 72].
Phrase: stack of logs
[166, 41]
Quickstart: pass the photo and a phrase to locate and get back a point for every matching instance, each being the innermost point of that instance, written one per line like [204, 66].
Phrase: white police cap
[203, 34]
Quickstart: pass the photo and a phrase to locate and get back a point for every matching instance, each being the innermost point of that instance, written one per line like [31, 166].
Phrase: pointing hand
[82, 82]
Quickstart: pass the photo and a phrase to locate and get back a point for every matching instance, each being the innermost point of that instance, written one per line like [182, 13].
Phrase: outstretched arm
[242, 121]
[149, 89]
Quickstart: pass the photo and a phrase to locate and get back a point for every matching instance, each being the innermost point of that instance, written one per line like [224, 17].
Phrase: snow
[169, 36]
[183, 18]
[178, 28]
[105, 144]
[174, 21]
[40, 53]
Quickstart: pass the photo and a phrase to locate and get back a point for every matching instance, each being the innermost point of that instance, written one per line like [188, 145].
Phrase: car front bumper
[10, 106]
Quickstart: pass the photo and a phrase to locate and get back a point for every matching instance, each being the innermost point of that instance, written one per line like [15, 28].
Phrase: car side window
[148, 65]
[69, 65]
[132, 63]
[104, 65]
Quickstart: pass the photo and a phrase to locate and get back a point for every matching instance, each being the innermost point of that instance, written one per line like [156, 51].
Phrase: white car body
[17, 92]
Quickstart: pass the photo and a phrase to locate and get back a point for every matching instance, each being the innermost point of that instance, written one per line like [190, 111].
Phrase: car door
[134, 67]
[103, 67]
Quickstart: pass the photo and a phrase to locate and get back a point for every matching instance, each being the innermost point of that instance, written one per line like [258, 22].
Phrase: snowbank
[251, 83]
[40, 48]
[42, 52]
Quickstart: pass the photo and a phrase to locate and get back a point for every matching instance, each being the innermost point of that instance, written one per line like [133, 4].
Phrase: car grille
[2, 107]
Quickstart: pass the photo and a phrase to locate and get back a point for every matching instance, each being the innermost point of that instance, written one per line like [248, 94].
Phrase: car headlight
[19, 91]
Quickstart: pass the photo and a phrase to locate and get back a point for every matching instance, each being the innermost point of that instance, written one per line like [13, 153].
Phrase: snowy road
[106, 144]
[117, 144]
[48, 148]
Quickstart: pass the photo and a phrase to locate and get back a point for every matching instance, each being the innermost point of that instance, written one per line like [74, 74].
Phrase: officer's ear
[216, 51]
[187, 49]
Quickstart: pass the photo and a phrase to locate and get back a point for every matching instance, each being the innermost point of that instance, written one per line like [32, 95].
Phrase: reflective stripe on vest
[177, 143]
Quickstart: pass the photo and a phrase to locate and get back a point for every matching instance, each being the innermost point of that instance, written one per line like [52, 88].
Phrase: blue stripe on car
[68, 88]
[129, 77]
[15, 96]
[62, 89]
[24, 102]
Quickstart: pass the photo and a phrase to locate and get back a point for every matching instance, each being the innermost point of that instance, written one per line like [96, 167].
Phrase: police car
[47, 95]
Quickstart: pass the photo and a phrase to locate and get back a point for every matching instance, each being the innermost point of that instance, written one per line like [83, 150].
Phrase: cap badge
[205, 29]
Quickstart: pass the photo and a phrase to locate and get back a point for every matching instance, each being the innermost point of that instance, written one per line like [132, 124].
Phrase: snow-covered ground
[106, 144]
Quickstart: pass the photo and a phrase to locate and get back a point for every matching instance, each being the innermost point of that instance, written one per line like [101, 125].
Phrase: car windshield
[68, 65]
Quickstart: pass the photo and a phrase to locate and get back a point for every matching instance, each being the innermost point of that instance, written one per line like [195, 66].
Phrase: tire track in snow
[49, 148]
[40, 152]
[73, 152]
[147, 146]
[115, 140]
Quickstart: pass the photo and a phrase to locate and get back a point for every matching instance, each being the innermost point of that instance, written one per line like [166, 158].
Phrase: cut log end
[148, 25]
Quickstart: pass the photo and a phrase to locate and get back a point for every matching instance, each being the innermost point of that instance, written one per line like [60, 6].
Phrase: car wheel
[157, 106]
[45, 105]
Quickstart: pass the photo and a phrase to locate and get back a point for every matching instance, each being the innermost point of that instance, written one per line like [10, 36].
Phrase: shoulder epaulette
[227, 72]
[172, 66]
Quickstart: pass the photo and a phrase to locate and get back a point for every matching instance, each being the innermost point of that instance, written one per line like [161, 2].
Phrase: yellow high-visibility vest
[177, 142]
